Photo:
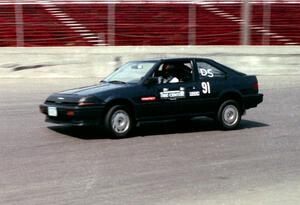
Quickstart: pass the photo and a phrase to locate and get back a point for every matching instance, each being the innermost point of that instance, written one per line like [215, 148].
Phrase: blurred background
[34, 23]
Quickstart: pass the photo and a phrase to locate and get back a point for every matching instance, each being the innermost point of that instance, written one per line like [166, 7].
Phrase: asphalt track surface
[163, 163]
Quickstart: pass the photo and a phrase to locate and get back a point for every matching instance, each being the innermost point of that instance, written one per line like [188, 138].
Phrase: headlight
[87, 101]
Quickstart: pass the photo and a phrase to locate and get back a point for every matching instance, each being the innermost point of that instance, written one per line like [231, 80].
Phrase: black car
[153, 90]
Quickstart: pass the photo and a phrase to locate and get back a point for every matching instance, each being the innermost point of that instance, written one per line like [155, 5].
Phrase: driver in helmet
[168, 74]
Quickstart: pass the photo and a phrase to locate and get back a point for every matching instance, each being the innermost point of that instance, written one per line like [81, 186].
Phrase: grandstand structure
[148, 22]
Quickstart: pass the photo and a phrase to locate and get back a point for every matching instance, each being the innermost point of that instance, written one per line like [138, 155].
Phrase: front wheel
[229, 115]
[118, 121]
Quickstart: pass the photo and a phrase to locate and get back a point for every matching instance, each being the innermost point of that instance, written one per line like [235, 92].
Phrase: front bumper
[251, 101]
[81, 116]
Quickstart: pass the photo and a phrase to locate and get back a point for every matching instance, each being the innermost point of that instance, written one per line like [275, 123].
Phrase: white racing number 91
[205, 87]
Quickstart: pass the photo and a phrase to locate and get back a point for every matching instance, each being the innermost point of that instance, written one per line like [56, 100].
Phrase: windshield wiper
[117, 81]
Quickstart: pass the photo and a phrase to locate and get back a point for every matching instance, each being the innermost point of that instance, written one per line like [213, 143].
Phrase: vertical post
[266, 22]
[111, 24]
[19, 24]
[245, 25]
[192, 24]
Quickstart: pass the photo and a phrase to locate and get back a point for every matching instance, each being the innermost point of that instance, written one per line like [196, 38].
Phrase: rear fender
[231, 95]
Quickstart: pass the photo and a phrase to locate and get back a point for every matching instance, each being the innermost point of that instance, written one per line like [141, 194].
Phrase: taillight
[255, 86]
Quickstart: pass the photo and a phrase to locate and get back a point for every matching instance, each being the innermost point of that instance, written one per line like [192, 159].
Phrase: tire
[229, 115]
[118, 121]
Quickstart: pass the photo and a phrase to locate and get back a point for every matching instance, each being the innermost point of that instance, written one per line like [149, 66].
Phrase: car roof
[183, 58]
[174, 59]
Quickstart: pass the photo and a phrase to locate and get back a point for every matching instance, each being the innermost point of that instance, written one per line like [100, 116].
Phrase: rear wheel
[118, 121]
[229, 115]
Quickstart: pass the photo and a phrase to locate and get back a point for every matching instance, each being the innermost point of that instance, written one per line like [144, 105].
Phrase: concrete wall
[79, 62]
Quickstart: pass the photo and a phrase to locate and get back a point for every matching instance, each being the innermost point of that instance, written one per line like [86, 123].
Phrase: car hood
[90, 90]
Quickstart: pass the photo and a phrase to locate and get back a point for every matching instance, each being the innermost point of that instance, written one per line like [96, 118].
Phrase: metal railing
[112, 33]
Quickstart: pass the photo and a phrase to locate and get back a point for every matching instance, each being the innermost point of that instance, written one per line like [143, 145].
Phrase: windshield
[131, 72]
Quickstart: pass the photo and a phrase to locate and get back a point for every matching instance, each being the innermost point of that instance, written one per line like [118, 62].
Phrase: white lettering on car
[174, 94]
[194, 93]
[206, 72]
[205, 87]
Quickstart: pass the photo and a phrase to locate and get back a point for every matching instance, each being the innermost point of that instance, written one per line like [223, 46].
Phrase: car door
[189, 105]
[160, 101]
[165, 99]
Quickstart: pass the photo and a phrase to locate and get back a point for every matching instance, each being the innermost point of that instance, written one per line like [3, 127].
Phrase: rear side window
[206, 70]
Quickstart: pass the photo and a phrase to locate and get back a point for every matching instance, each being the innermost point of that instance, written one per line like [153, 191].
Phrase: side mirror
[151, 81]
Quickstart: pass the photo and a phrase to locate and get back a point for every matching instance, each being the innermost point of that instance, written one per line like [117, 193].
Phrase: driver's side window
[174, 72]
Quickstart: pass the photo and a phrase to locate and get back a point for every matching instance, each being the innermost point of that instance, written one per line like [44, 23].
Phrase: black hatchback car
[153, 90]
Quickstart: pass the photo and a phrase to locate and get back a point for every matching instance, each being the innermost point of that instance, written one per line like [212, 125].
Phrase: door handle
[191, 87]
